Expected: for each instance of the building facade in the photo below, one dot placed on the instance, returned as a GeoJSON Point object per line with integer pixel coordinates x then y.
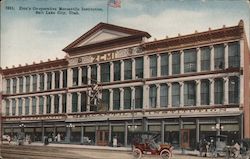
{"type": "Point", "coordinates": [113, 82]}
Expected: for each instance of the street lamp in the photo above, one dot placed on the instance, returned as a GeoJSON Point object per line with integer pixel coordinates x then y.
{"type": "Point", "coordinates": [69, 126]}
{"type": "Point", "coordinates": [22, 127]}
{"type": "Point", "coordinates": [217, 127]}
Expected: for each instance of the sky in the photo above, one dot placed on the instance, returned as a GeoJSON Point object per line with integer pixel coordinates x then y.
{"type": "Point", "coordinates": [30, 32]}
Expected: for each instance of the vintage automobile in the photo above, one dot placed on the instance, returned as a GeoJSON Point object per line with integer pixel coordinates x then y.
{"type": "Point", "coordinates": [144, 144]}
{"type": "Point", "coordinates": [240, 150]}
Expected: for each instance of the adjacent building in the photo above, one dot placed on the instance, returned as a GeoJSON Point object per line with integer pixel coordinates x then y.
{"type": "Point", "coordinates": [113, 82]}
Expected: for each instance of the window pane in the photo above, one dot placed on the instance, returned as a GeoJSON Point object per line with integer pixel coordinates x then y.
{"type": "Point", "coordinates": [7, 109]}
{"type": "Point", "coordinates": [27, 83]}
{"type": "Point", "coordinates": [41, 88]}
{"type": "Point", "coordinates": [65, 78]}
{"type": "Point", "coordinates": [175, 94]}
{"type": "Point", "coordinates": [152, 96]}
{"type": "Point", "coordinates": [153, 65]}
{"type": "Point", "coordinates": [13, 107]}
{"type": "Point", "coordinates": [41, 105]}
{"type": "Point", "coordinates": [57, 79]}
{"type": "Point", "coordinates": [234, 54]}
{"type": "Point", "coordinates": [56, 103]}
{"type": "Point", "coordinates": [138, 97]}
{"type": "Point", "coordinates": [139, 67]}
{"type": "Point", "coordinates": [117, 70]}
{"type": "Point", "coordinates": [205, 59]}
{"type": "Point", "coordinates": [189, 93]}
{"type": "Point", "coordinates": [164, 64]}
{"type": "Point", "coordinates": [127, 69]}
{"type": "Point", "coordinates": [164, 95]}
{"type": "Point", "coordinates": [127, 98]}
{"type": "Point", "coordinates": [116, 99]}
{"type": "Point", "coordinates": [14, 80]}
{"type": "Point", "coordinates": [176, 60]}
{"type": "Point", "coordinates": [48, 104]}
{"type": "Point", "coordinates": [234, 90]}
{"type": "Point", "coordinates": [49, 80]}
{"type": "Point", "coordinates": [20, 84]}
{"type": "Point", "coordinates": [205, 93]}
{"type": "Point", "coordinates": [33, 105]}
{"type": "Point", "coordinates": [75, 76]}
{"type": "Point", "coordinates": [74, 102]}
{"type": "Point", "coordinates": [83, 101]}
{"type": "Point", "coordinates": [105, 100]}
{"type": "Point", "coordinates": [93, 74]}
{"type": "Point", "coordinates": [20, 106]}
{"type": "Point", "coordinates": [64, 103]}
{"type": "Point", "coordinates": [190, 60]}
{"type": "Point", "coordinates": [8, 86]}
{"type": "Point", "coordinates": [218, 56]}
{"type": "Point", "coordinates": [218, 91]}
{"type": "Point", "coordinates": [85, 75]}
{"type": "Point", "coordinates": [105, 72]}
{"type": "Point", "coordinates": [27, 103]}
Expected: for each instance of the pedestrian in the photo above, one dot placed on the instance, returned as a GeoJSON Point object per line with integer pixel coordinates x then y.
{"type": "Point", "coordinates": [115, 141]}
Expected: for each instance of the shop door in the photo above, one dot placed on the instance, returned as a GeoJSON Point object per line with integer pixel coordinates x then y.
{"type": "Point", "coordinates": [102, 138]}
{"type": "Point", "coordinates": [185, 138]}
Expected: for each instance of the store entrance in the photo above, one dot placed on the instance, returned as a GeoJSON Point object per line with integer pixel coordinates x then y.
{"type": "Point", "coordinates": [185, 138]}
{"type": "Point", "coordinates": [102, 137]}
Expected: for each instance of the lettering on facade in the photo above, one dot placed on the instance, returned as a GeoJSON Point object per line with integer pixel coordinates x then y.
{"type": "Point", "coordinates": [106, 56]}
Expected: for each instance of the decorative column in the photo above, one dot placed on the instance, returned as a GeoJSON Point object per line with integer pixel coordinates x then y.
{"type": "Point", "coordinates": [45, 105]}
{"type": "Point", "coordinates": [31, 83]}
{"type": "Point", "coordinates": [98, 73]}
{"type": "Point", "coordinates": [78, 102]}
{"type": "Point", "coordinates": [38, 82]}
{"type": "Point", "coordinates": [30, 106]}
{"type": "Point", "coordinates": [197, 130]}
{"type": "Point", "coordinates": [133, 69]}
{"type": "Point", "coordinates": [37, 105]}
{"type": "Point", "coordinates": [211, 91]}
{"type": "Point", "coordinates": [111, 72]}
{"type": "Point", "coordinates": [212, 58]}
{"type": "Point", "coordinates": [122, 70]}
{"type": "Point", "coordinates": [17, 85]}
{"type": "Point", "coordinates": [145, 96]}
{"type": "Point", "coordinates": [146, 66]}
{"type": "Point", "coordinates": [110, 99]}
{"type": "Point", "coordinates": [198, 92]}
{"type": "Point", "coordinates": [88, 101]}
{"type": "Point", "coordinates": [24, 84]}
{"type": "Point", "coordinates": [60, 103]}
{"type": "Point", "coordinates": [158, 92]}
{"type": "Point", "coordinates": [60, 79]}
{"type": "Point", "coordinates": [181, 94]}
{"type": "Point", "coordinates": [169, 95]}
{"type": "Point", "coordinates": [89, 74]}
{"type": "Point", "coordinates": [226, 90]}
{"type": "Point", "coordinates": [158, 65]}
{"type": "Point", "coordinates": [69, 103]}
{"type": "Point", "coordinates": [170, 64]}
{"type": "Point", "coordinates": [182, 61]}
{"type": "Point", "coordinates": [82, 134]}
{"type": "Point", "coordinates": [198, 68]}
{"type": "Point", "coordinates": [45, 81]}
{"type": "Point", "coordinates": [11, 86]}
{"type": "Point", "coordinates": [53, 80]}
{"type": "Point", "coordinates": [79, 76]}
{"type": "Point", "coordinates": [126, 134]}
{"type": "Point", "coordinates": [226, 55]}
{"type": "Point", "coordinates": [122, 98]}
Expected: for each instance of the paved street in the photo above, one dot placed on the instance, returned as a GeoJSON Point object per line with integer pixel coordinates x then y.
{"type": "Point", "coordinates": [48, 152]}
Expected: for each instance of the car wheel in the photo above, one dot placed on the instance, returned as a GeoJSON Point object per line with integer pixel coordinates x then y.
{"type": "Point", "coordinates": [165, 154]}
{"type": "Point", "coordinates": [137, 153]}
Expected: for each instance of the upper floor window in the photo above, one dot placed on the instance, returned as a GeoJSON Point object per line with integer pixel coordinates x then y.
{"type": "Point", "coordinates": [83, 101]}
{"type": "Point", "coordinates": [205, 58]}
{"type": "Point", "coordinates": [74, 102]}
{"type": "Point", "coordinates": [64, 103]}
{"type": "Point", "coordinates": [176, 94]}
{"type": "Point", "coordinates": [116, 99]}
{"type": "Point", "coordinates": [33, 105]}
{"type": "Point", "coordinates": [234, 54]}
{"type": "Point", "coordinates": [218, 91]}
{"type": "Point", "coordinates": [234, 90]}
{"type": "Point", "coordinates": [8, 86]}
{"type": "Point", "coordinates": [41, 105]}
{"type": "Point", "coordinates": [41, 86]}
{"type": "Point", "coordinates": [105, 72]}
{"type": "Point", "coordinates": [27, 105]}
{"type": "Point", "coordinates": [27, 83]}
{"type": "Point", "coordinates": [20, 106]}
{"type": "Point", "coordinates": [139, 67]}
{"type": "Point", "coordinates": [94, 74]}
{"type": "Point", "coordinates": [13, 107]}
{"type": "Point", "coordinates": [205, 93]}
{"type": "Point", "coordinates": [164, 95]}
{"type": "Point", "coordinates": [14, 80]}
{"type": "Point", "coordinates": [127, 69]}
{"type": "Point", "coordinates": [49, 80]}
{"type": "Point", "coordinates": [65, 75]}
{"type": "Point", "coordinates": [117, 71]}
{"type": "Point", "coordinates": [20, 84]}
{"type": "Point", "coordinates": [164, 64]}
{"type": "Point", "coordinates": [48, 104]}
{"type": "Point", "coordinates": [219, 51]}
{"type": "Point", "coordinates": [176, 62]}
{"type": "Point", "coordinates": [105, 100]}
{"type": "Point", "coordinates": [34, 84]}
{"type": "Point", "coordinates": [84, 75]}
{"type": "Point", "coordinates": [7, 108]}
{"type": "Point", "coordinates": [153, 65]}
{"type": "Point", "coordinates": [189, 93]}
{"type": "Point", "coordinates": [56, 103]}
{"type": "Point", "coordinates": [190, 60]}
{"type": "Point", "coordinates": [57, 79]}
{"type": "Point", "coordinates": [127, 98]}
{"type": "Point", "coordinates": [138, 97]}
{"type": "Point", "coordinates": [152, 96]}
{"type": "Point", "coordinates": [75, 76]}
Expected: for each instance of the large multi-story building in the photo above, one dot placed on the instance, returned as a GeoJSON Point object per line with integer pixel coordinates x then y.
{"type": "Point", "coordinates": [113, 81]}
